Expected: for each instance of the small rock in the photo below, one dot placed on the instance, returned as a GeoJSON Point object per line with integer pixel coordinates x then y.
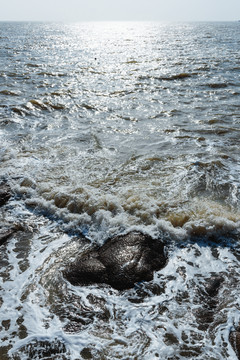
{"type": "Point", "coordinates": [121, 262]}
{"type": "Point", "coordinates": [5, 194]}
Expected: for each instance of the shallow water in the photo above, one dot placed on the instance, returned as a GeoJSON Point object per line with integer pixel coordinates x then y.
{"type": "Point", "coordinates": [107, 128]}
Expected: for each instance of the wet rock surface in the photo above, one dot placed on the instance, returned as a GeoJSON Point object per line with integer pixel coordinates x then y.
{"type": "Point", "coordinates": [209, 301]}
{"type": "Point", "coordinates": [5, 193]}
{"type": "Point", "coordinates": [43, 349]}
{"type": "Point", "coordinates": [7, 230]}
{"type": "Point", "coordinates": [234, 339]}
{"type": "Point", "coordinates": [5, 234]}
{"type": "Point", "coordinates": [121, 262]}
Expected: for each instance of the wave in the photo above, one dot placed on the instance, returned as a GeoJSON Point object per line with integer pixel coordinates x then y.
{"type": "Point", "coordinates": [52, 74]}
{"type": "Point", "coordinates": [34, 104]}
{"type": "Point", "coordinates": [10, 93]}
{"type": "Point", "coordinates": [180, 76]}
{"type": "Point", "coordinates": [199, 204]}
{"type": "Point", "coordinates": [217, 85]}
{"type": "Point", "coordinates": [88, 107]}
{"type": "Point", "coordinates": [33, 65]}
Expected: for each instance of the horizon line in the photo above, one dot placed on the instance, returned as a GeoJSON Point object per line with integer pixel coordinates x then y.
{"type": "Point", "coordinates": [84, 21]}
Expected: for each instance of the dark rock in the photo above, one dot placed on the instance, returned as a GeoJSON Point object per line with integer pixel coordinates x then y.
{"type": "Point", "coordinates": [6, 232]}
{"type": "Point", "coordinates": [86, 353]}
{"type": "Point", "coordinates": [209, 302]}
{"type": "Point", "coordinates": [79, 316]}
{"type": "Point", "coordinates": [5, 194]}
{"type": "Point", "coordinates": [121, 262]}
{"type": "Point", "coordinates": [43, 349]}
{"type": "Point", "coordinates": [234, 339]}
{"type": "Point", "coordinates": [213, 285]}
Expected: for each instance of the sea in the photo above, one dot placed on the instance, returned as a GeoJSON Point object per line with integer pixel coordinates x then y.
{"type": "Point", "coordinates": [107, 128]}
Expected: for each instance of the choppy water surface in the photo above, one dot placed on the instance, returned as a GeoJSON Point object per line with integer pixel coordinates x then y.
{"type": "Point", "coordinates": [104, 128]}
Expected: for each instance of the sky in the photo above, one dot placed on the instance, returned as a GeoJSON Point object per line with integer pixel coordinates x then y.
{"type": "Point", "coordinates": [120, 10]}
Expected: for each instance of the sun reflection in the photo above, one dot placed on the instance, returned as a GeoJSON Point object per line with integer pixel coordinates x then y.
{"type": "Point", "coordinates": [110, 35]}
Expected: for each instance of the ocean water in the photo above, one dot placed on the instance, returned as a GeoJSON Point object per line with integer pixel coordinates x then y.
{"type": "Point", "coordinates": [107, 128]}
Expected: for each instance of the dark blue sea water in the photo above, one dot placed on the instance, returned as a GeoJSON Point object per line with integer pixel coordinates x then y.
{"type": "Point", "coordinates": [107, 128]}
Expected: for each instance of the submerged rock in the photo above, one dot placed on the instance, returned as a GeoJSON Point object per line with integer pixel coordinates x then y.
{"type": "Point", "coordinates": [209, 301]}
{"type": "Point", "coordinates": [121, 262]}
{"type": "Point", "coordinates": [5, 234]}
{"type": "Point", "coordinates": [7, 231]}
{"type": "Point", "coordinates": [5, 194]}
{"type": "Point", "coordinates": [43, 349]}
{"type": "Point", "coordinates": [213, 285]}
{"type": "Point", "coordinates": [234, 339]}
